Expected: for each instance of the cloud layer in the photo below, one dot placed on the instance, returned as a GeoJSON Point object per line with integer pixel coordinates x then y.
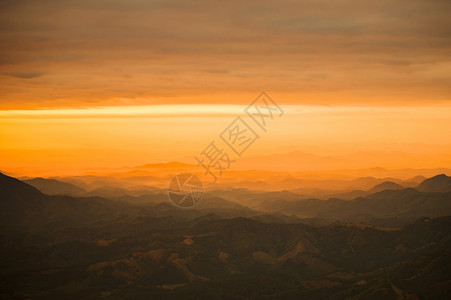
{"type": "Point", "coordinates": [83, 54]}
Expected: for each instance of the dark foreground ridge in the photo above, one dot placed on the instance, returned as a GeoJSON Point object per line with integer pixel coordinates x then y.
{"type": "Point", "coordinates": [70, 248]}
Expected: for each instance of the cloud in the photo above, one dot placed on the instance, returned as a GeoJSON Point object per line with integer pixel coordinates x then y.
{"type": "Point", "coordinates": [216, 71]}
{"type": "Point", "coordinates": [26, 75]}
{"type": "Point", "coordinates": [367, 51]}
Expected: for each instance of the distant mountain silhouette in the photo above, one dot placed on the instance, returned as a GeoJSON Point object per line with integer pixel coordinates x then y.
{"type": "Point", "coordinates": [418, 179]}
{"type": "Point", "coordinates": [387, 185]}
{"type": "Point", "coordinates": [350, 189]}
{"type": "Point", "coordinates": [23, 207]}
{"type": "Point", "coordinates": [55, 187]}
{"type": "Point", "coordinates": [440, 183]}
{"type": "Point", "coordinates": [389, 206]}
{"type": "Point", "coordinates": [61, 247]}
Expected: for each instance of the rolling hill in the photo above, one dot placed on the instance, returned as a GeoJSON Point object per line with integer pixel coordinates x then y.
{"type": "Point", "coordinates": [55, 187]}
{"type": "Point", "coordinates": [71, 248]}
{"type": "Point", "coordinates": [437, 184]}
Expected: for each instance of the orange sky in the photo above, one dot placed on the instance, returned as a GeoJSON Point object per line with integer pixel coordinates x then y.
{"type": "Point", "coordinates": [88, 139]}
{"type": "Point", "coordinates": [117, 52]}
{"type": "Point", "coordinates": [114, 83]}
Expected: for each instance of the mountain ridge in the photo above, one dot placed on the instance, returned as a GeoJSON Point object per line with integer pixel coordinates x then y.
{"type": "Point", "coordinates": [439, 183]}
{"type": "Point", "coordinates": [55, 187]}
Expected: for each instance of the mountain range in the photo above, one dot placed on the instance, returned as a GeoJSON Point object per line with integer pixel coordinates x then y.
{"type": "Point", "coordinates": [92, 247]}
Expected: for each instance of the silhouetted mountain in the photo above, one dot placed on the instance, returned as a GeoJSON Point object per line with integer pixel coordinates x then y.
{"type": "Point", "coordinates": [24, 207]}
{"type": "Point", "coordinates": [349, 195]}
{"type": "Point", "coordinates": [55, 187]}
{"type": "Point", "coordinates": [17, 197]}
{"type": "Point", "coordinates": [212, 258]}
{"type": "Point", "coordinates": [113, 192]}
{"type": "Point", "coordinates": [440, 183]}
{"type": "Point", "coordinates": [413, 182]}
{"type": "Point", "coordinates": [395, 207]}
{"type": "Point", "coordinates": [12, 187]}
{"type": "Point", "coordinates": [63, 247]}
{"type": "Point", "coordinates": [387, 185]}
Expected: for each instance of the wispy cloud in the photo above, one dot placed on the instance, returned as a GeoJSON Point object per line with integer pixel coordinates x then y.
{"type": "Point", "coordinates": [26, 75]}
{"type": "Point", "coordinates": [368, 52]}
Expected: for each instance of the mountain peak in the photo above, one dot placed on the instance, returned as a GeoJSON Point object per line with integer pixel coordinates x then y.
{"type": "Point", "coordinates": [386, 185]}
{"type": "Point", "coordinates": [54, 187]}
{"type": "Point", "coordinates": [10, 185]}
{"type": "Point", "coordinates": [440, 183]}
{"type": "Point", "coordinates": [16, 196]}
{"type": "Point", "coordinates": [440, 176]}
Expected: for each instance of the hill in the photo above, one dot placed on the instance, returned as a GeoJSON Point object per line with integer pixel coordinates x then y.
{"type": "Point", "coordinates": [387, 185]}
{"type": "Point", "coordinates": [440, 184]}
{"type": "Point", "coordinates": [390, 207]}
{"type": "Point", "coordinates": [55, 187]}
{"type": "Point", "coordinates": [71, 248]}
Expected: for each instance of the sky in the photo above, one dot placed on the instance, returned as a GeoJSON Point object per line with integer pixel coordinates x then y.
{"type": "Point", "coordinates": [86, 84]}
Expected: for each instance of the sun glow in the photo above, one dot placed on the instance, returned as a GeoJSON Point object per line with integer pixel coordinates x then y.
{"type": "Point", "coordinates": [85, 139]}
